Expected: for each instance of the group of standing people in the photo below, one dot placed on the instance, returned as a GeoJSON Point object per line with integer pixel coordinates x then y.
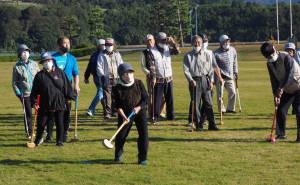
{"type": "Point", "coordinates": [118, 90]}
{"type": "Point", "coordinates": [53, 84]}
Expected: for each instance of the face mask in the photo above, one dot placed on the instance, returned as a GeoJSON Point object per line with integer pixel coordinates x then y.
{"type": "Point", "coordinates": [25, 55]}
{"type": "Point", "coordinates": [273, 58]}
{"type": "Point", "coordinates": [109, 48]}
{"type": "Point", "coordinates": [205, 45]}
{"type": "Point", "coordinates": [64, 49]}
{"type": "Point", "coordinates": [48, 65]}
{"type": "Point", "coordinates": [226, 46]}
{"type": "Point", "coordinates": [163, 46]}
{"type": "Point", "coordinates": [196, 49]}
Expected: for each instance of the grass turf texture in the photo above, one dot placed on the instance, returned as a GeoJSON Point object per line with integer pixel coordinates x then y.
{"type": "Point", "coordinates": [238, 154]}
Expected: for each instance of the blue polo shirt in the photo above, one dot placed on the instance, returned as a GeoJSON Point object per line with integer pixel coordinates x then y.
{"type": "Point", "coordinates": [66, 63]}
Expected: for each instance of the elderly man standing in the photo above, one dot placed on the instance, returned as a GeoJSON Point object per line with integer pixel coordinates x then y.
{"type": "Point", "coordinates": [107, 71]}
{"type": "Point", "coordinates": [91, 69]}
{"type": "Point", "coordinates": [148, 67]}
{"type": "Point", "coordinates": [199, 71]}
{"type": "Point", "coordinates": [165, 47]}
{"type": "Point", "coordinates": [226, 57]}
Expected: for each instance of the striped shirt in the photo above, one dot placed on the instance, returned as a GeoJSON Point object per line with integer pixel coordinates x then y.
{"type": "Point", "coordinates": [227, 61]}
{"type": "Point", "coordinates": [162, 63]}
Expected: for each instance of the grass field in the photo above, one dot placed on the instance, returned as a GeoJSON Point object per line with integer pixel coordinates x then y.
{"type": "Point", "coordinates": [238, 154]}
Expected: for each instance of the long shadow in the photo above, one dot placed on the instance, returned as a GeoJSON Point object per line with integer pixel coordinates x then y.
{"type": "Point", "coordinates": [11, 162]}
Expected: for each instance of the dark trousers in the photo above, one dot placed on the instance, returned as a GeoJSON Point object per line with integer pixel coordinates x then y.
{"type": "Point", "coordinates": [141, 125]}
{"type": "Point", "coordinates": [67, 119]}
{"type": "Point", "coordinates": [198, 94]}
{"type": "Point", "coordinates": [203, 117]}
{"type": "Point", "coordinates": [43, 117]}
{"type": "Point", "coordinates": [166, 90]}
{"type": "Point", "coordinates": [28, 115]}
{"type": "Point", "coordinates": [108, 98]}
{"type": "Point", "coordinates": [285, 102]}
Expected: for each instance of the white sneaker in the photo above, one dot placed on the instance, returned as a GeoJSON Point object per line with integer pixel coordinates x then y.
{"type": "Point", "coordinates": [89, 113]}
{"type": "Point", "coordinates": [41, 141]}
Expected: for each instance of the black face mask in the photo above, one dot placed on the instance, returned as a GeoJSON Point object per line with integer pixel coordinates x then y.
{"type": "Point", "coordinates": [64, 49]}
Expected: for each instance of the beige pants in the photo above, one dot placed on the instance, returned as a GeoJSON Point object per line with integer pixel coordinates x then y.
{"type": "Point", "coordinates": [230, 87]}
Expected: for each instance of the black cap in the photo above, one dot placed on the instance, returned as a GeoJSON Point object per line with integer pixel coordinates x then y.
{"type": "Point", "coordinates": [123, 68]}
{"type": "Point", "coordinates": [204, 37]}
{"type": "Point", "coordinates": [267, 49]}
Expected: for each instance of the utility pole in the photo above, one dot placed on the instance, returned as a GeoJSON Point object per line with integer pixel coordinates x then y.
{"type": "Point", "coordinates": [179, 21]}
{"type": "Point", "coordinates": [277, 21]}
{"type": "Point", "coordinates": [291, 19]}
{"type": "Point", "coordinates": [196, 22]}
{"type": "Point", "coordinates": [191, 24]}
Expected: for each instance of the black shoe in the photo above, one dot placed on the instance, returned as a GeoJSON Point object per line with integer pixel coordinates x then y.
{"type": "Point", "coordinates": [59, 144]}
{"type": "Point", "coordinates": [199, 129]}
{"type": "Point", "coordinates": [118, 160]}
{"type": "Point", "coordinates": [230, 111]}
{"type": "Point", "coordinates": [48, 140]}
{"type": "Point", "coordinates": [213, 127]}
{"type": "Point", "coordinates": [298, 140]}
{"type": "Point", "coordinates": [107, 117]}
{"type": "Point", "coordinates": [281, 137]}
{"type": "Point", "coordinates": [65, 138]}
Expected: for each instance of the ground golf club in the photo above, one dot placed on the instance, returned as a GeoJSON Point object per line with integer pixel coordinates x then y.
{"type": "Point", "coordinates": [108, 142]}
{"type": "Point", "coordinates": [31, 144]}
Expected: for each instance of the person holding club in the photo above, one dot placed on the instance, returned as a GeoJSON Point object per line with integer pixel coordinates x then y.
{"type": "Point", "coordinates": [226, 57]}
{"type": "Point", "coordinates": [284, 75]}
{"type": "Point", "coordinates": [54, 89]}
{"type": "Point", "coordinates": [148, 67]}
{"type": "Point", "coordinates": [23, 74]}
{"type": "Point", "coordinates": [131, 96]}
{"type": "Point", "coordinates": [198, 70]}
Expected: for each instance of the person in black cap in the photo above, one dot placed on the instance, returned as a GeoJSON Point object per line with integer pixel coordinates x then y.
{"type": "Point", "coordinates": [131, 96]}
{"type": "Point", "coordinates": [22, 78]}
{"type": "Point", "coordinates": [54, 89]}
{"type": "Point", "coordinates": [285, 80]}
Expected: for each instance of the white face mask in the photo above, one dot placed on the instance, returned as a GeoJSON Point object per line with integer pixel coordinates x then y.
{"type": "Point", "coordinates": [163, 46]}
{"type": "Point", "coordinates": [109, 48]}
{"type": "Point", "coordinates": [205, 45]}
{"type": "Point", "coordinates": [196, 49]}
{"type": "Point", "coordinates": [273, 58]}
{"type": "Point", "coordinates": [25, 55]}
{"type": "Point", "coordinates": [226, 46]}
{"type": "Point", "coordinates": [48, 65]}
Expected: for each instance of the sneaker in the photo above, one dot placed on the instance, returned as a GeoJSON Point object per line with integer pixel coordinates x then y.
{"type": "Point", "coordinates": [40, 141]}
{"type": "Point", "coordinates": [89, 113]}
{"type": "Point", "coordinates": [107, 117]}
{"type": "Point", "coordinates": [281, 137]}
{"type": "Point", "coordinates": [118, 160]}
{"type": "Point", "coordinates": [213, 127]}
{"type": "Point", "coordinates": [59, 144]}
{"type": "Point", "coordinates": [142, 162]}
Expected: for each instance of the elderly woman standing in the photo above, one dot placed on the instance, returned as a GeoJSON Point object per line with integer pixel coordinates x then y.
{"type": "Point", "coordinates": [22, 78]}
{"type": "Point", "coordinates": [54, 89]}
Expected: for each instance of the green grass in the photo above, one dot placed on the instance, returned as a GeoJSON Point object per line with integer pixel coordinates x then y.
{"type": "Point", "coordinates": [238, 154]}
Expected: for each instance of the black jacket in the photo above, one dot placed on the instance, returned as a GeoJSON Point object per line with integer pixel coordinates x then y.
{"type": "Point", "coordinates": [129, 97]}
{"type": "Point", "coordinates": [54, 89]}
{"type": "Point", "coordinates": [92, 66]}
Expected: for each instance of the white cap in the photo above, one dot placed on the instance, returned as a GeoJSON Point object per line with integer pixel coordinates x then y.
{"type": "Point", "coordinates": [223, 38]}
{"type": "Point", "coordinates": [100, 42]}
{"type": "Point", "coordinates": [290, 45]}
{"type": "Point", "coordinates": [149, 37]}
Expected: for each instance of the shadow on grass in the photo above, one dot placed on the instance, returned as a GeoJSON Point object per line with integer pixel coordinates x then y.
{"type": "Point", "coordinates": [11, 162]}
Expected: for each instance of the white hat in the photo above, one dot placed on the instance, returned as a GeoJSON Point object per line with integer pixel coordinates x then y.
{"type": "Point", "coordinates": [149, 37]}
{"type": "Point", "coordinates": [223, 38]}
{"type": "Point", "coordinates": [100, 42]}
{"type": "Point", "coordinates": [161, 36]}
{"type": "Point", "coordinates": [290, 45]}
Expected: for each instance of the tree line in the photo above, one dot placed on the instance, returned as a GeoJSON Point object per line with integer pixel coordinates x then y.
{"type": "Point", "coordinates": [128, 21]}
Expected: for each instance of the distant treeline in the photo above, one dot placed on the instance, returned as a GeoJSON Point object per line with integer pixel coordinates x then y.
{"type": "Point", "coordinates": [128, 21]}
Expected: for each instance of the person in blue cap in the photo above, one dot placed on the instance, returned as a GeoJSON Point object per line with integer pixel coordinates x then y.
{"type": "Point", "coordinates": [131, 96]}
{"type": "Point", "coordinates": [24, 72]}
{"type": "Point", "coordinates": [54, 89]}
